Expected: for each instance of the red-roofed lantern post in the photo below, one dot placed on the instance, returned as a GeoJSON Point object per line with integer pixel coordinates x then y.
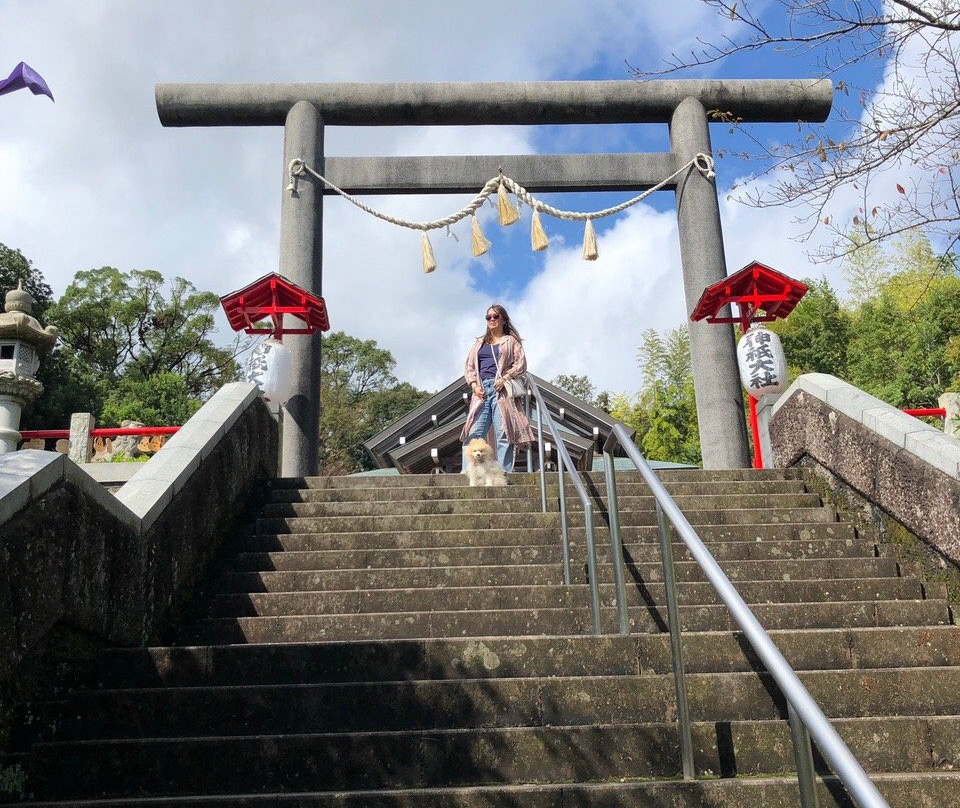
{"type": "Point", "coordinates": [271, 298]}
{"type": "Point", "coordinates": [762, 295]}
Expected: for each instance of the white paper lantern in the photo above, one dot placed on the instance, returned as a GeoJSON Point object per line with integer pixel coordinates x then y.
{"type": "Point", "coordinates": [270, 367]}
{"type": "Point", "coordinates": [763, 367]}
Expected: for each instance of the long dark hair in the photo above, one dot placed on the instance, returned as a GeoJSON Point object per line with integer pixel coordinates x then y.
{"type": "Point", "coordinates": [507, 325]}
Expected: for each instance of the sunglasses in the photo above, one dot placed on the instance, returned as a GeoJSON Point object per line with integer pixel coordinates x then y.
{"type": "Point", "coordinates": [493, 316]}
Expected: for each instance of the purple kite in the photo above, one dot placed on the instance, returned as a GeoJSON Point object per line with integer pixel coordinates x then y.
{"type": "Point", "coordinates": [25, 77]}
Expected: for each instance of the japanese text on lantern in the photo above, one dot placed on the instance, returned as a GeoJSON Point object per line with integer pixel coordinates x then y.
{"type": "Point", "coordinates": [762, 364]}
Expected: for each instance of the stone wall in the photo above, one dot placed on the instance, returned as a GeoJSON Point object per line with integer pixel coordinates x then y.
{"type": "Point", "coordinates": [889, 460]}
{"type": "Point", "coordinates": [119, 569]}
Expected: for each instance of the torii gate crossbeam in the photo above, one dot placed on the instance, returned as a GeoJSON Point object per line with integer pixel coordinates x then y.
{"type": "Point", "coordinates": [686, 105]}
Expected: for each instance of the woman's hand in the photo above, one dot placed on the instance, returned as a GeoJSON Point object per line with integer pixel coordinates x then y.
{"type": "Point", "coordinates": [478, 390]}
{"type": "Point", "coordinates": [498, 384]}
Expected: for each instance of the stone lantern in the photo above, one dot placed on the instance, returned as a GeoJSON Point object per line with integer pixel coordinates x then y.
{"type": "Point", "coordinates": [22, 342]}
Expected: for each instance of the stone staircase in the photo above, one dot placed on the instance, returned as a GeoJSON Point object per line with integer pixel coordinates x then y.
{"type": "Point", "coordinates": [407, 642]}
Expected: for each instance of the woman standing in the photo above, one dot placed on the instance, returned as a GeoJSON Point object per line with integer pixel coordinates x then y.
{"type": "Point", "coordinates": [494, 358]}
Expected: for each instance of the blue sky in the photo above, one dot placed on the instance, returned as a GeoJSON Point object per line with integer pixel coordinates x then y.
{"type": "Point", "coordinates": [94, 179]}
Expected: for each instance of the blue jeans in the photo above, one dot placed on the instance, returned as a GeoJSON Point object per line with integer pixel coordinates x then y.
{"type": "Point", "coordinates": [490, 412]}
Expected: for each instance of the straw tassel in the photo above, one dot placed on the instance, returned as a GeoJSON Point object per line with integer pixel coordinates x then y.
{"type": "Point", "coordinates": [538, 237]}
{"type": "Point", "coordinates": [479, 241]}
{"type": "Point", "coordinates": [590, 242]}
{"type": "Point", "coordinates": [508, 213]}
{"type": "Point", "coordinates": [429, 262]}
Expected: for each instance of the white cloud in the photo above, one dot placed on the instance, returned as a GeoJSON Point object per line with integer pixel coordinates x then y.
{"type": "Point", "coordinates": [94, 179]}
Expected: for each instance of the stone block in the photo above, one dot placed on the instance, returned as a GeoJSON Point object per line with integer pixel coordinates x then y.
{"type": "Point", "coordinates": [81, 443]}
{"type": "Point", "coordinates": [198, 434]}
{"type": "Point", "coordinates": [938, 450]}
{"type": "Point", "coordinates": [851, 401]}
{"type": "Point", "coordinates": [892, 424]}
{"type": "Point", "coordinates": [24, 475]}
{"type": "Point", "coordinates": [145, 498]}
{"type": "Point", "coordinates": [172, 466]}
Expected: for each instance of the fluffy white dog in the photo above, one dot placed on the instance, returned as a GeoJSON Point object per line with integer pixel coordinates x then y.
{"type": "Point", "coordinates": [482, 466]}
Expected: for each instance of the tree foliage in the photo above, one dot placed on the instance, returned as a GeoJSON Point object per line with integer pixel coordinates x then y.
{"type": "Point", "coordinates": [898, 152]}
{"type": "Point", "coordinates": [128, 325]}
{"type": "Point", "coordinates": [816, 335]}
{"type": "Point", "coordinates": [162, 399]}
{"type": "Point", "coordinates": [899, 340]}
{"type": "Point", "coordinates": [359, 396]}
{"type": "Point", "coordinates": [905, 336]}
{"type": "Point", "coordinates": [131, 346]}
{"type": "Point", "coordinates": [664, 412]}
{"type": "Point", "coordinates": [68, 384]}
{"type": "Point", "coordinates": [16, 268]}
{"type": "Point", "coordinates": [576, 385]}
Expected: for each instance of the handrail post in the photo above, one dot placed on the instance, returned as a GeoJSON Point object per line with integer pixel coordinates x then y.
{"type": "Point", "coordinates": [592, 567]}
{"type": "Point", "coordinates": [565, 461]}
{"type": "Point", "coordinates": [803, 756]}
{"type": "Point", "coordinates": [543, 475]}
{"type": "Point", "coordinates": [564, 528]}
{"type": "Point", "coordinates": [676, 647]}
{"type": "Point", "coordinates": [613, 518]}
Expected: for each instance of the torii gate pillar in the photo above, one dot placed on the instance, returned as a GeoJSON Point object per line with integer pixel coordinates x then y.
{"type": "Point", "coordinates": [301, 260]}
{"type": "Point", "coordinates": [713, 352]}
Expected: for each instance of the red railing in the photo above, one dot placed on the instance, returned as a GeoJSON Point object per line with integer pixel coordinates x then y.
{"type": "Point", "coordinates": [929, 411]}
{"type": "Point", "coordinates": [105, 432]}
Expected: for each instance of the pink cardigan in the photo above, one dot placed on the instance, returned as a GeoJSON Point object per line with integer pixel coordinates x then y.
{"type": "Point", "coordinates": [512, 363]}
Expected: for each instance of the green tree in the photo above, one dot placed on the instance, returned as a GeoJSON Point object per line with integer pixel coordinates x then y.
{"type": "Point", "coordinates": [160, 400]}
{"type": "Point", "coordinates": [69, 386]}
{"type": "Point", "coordinates": [668, 397]}
{"type": "Point", "coordinates": [904, 344]}
{"type": "Point", "coordinates": [15, 267]}
{"type": "Point", "coordinates": [865, 271]}
{"type": "Point", "coordinates": [128, 325]}
{"type": "Point", "coordinates": [664, 411]}
{"type": "Point", "coordinates": [355, 366]}
{"type": "Point", "coordinates": [816, 334]}
{"type": "Point", "coordinates": [630, 410]}
{"type": "Point", "coordinates": [359, 396]}
{"type": "Point", "coordinates": [576, 385]}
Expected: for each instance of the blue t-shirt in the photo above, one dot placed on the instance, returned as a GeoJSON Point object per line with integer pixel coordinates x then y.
{"type": "Point", "coordinates": [487, 361]}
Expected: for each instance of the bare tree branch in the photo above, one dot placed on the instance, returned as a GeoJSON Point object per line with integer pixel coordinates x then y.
{"type": "Point", "coordinates": [901, 149]}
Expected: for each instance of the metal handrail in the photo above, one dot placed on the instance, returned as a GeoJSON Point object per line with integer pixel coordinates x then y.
{"type": "Point", "coordinates": [806, 718]}
{"type": "Point", "coordinates": [564, 460]}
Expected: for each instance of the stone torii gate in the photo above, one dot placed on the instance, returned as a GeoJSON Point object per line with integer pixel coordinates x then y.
{"type": "Point", "coordinates": [305, 109]}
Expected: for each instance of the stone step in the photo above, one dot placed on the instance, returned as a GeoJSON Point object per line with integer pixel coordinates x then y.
{"type": "Point", "coordinates": [307, 566]}
{"type": "Point", "coordinates": [808, 649]}
{"type": "Point", "coordinates": [444, 758]}
{"type": "Point", "coordinates": [517, 536]}
{"type": "Point", "coordinates": [531, 492]}
{"type": "Point", "coordinates": [485, 685]}
{"type": "Point", "coordinates": [362, 601]}
{"type": "Point", "coordinates": [532, 480]}
{"type": "Point", "coordinates": [546, 621]}
{"type": "Point", "coordinates": [918, 789]}
{"type": "Point", "coordinates": [548, 551]}
{"type": "Point", "coordinates": [487, 703]}
{"type": "Point", "coordinates": [700, 475]}
{"type": "Point", "coordinates": [605, 655]}
{"type": "Point", "coordinates": [466, 521]}
{"type": "Point", "coordinates": [495, 505]}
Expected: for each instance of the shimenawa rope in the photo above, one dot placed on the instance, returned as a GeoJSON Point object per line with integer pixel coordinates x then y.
{"type": "Point", "coordinates": [508, 213]}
